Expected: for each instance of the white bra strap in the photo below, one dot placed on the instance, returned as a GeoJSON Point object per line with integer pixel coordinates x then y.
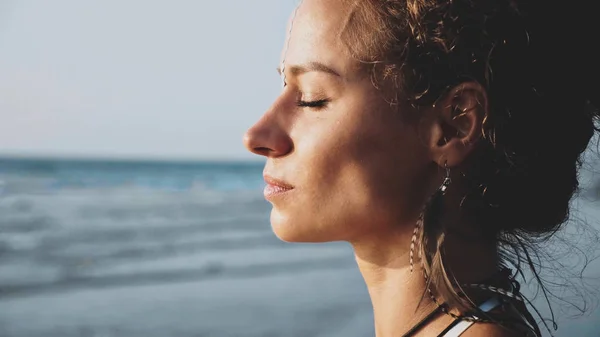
{"type": "Point", "coordinates": [463, 325]}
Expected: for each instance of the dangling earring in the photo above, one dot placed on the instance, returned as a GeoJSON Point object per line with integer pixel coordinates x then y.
{"type": "Point", "coordinates": [447, 181]}
{"type": "Point", "coordinates": [429, 214]}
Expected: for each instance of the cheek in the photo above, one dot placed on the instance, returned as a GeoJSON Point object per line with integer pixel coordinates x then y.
{"type": "Point", "coordinates": [383, 149]}
{"type": "Point", "coordinates": [385, 165]}
{"type": "Point", "coordinates": [359, 169]}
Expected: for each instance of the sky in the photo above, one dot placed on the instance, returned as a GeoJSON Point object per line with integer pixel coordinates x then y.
{"type": "Point", "coordinates": [178, 79]}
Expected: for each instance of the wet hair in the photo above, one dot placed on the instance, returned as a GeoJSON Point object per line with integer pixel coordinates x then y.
{"type": "Point", "coordinates": [539, 65]}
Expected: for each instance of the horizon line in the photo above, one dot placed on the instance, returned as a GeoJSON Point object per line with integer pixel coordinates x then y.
{"type": "Point", "coordinates": [123, 158]}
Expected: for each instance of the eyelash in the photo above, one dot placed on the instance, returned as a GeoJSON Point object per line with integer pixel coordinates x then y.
{"type": "Point", "coordinates": [319, 104]}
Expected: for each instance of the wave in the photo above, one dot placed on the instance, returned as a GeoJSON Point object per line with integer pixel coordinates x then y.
{"type": "Point", "coordinates": [207, 272]}
{"type": "Point", "coordinates": [20, 176]}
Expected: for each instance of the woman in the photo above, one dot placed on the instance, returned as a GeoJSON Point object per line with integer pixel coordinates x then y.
{"type": "Point", "coordinates": [442, 139]}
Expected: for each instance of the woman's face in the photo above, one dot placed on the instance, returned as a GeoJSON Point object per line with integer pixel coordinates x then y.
{"type": "Point", "coordinates": [356, 167]}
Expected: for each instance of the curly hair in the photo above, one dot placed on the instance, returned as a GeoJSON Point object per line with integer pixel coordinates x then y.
{"type": "Point", "coordinates": [537, 63]}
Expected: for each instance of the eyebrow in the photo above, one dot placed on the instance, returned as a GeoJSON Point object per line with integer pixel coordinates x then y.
{"type": "Point", "coordinates": [309, 67]}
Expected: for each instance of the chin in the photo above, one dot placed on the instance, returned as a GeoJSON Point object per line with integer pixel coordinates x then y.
{"type": "Point", "coordinates": [288, 230]}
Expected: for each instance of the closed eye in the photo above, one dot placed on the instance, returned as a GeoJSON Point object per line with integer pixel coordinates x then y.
{"type": "Point", "coordinates": [313, 104]}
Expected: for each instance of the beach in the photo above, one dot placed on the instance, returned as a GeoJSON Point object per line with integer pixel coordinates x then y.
{"type": "Point", "coordinates": [174, 249]}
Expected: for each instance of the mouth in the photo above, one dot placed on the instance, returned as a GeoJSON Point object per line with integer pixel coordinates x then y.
{"type": "Point", "coordinates": [275, 187]}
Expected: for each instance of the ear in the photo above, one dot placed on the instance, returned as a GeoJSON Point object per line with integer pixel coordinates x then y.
{"type": "Point", "coordinates": [456, 125]}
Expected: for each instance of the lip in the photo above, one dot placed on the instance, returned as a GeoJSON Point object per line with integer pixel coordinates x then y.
{"type": "Point", "coordinates": [275, 187]}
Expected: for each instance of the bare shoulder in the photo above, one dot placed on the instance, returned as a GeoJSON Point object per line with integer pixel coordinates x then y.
{"type": "Point", "coordinates": [491, 330]}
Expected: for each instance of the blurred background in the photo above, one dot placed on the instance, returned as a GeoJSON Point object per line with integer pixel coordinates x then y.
{"type": "Point", "coordinates": [128, 206]}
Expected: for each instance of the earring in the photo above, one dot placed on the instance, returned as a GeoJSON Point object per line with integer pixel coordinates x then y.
{"type": "Point", "coordinates": [429, 214]}
{"type": "Point", "coordinates": [447, 181]}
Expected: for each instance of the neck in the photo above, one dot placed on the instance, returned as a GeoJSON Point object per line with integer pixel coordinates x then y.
{"type": "Point", "coordinates": [396, 292]}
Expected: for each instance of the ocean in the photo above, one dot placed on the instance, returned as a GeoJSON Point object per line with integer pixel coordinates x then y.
{"type": "Point", "coordinates": [98, 248]}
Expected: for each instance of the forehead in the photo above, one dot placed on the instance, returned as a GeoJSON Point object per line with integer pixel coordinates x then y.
{"type": "Point", "coordinates": [314, 34]}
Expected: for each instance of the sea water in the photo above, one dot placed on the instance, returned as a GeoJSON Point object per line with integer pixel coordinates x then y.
{"type": "Point", "coordinates": [169, 249]}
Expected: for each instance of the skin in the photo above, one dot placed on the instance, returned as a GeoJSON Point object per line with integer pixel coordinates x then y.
{"type": "Point", "coordinates": [361, 172]}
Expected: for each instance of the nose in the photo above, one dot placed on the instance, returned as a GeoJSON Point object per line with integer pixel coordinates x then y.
{"type": "Point", "coordinates": [269, 137]}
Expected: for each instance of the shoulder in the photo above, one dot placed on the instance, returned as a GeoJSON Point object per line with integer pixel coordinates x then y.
{"type": "Point", "coordinates": [491, 330]}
